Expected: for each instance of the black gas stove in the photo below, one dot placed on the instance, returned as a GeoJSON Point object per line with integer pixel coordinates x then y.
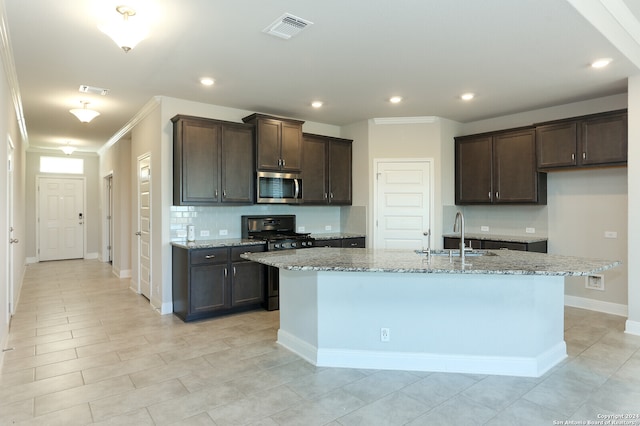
{"type": "Point", "coordinates": [279, 232]}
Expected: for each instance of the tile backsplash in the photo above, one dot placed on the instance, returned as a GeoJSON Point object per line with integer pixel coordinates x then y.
{"type": "Point", "coordinates": [501, 220]}
{"type": "Point", "coordinates": [224, 222]}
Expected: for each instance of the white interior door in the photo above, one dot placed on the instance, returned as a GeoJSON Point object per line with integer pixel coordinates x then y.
{"type": "Point", "coordinates": [403, 203]}
{"type": "Point", "coordinates": [61, 218]}
{"type": "Point", "coordinates": [144, 225]}
{"type": "Point", "coordinates": [12, 241]}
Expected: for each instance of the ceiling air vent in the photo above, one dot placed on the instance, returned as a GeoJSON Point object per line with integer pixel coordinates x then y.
{"type": "Point", "coordinates": [93, 90]}
{"type": "Point", "coordinates": [287, 26]}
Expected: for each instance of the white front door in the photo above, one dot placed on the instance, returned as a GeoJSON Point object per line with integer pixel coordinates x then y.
{"type": "Point", "coordinates": [403, 203]}
{"type": "Point", "coordinates": [61, 218]}
{"type": "Point", "coordinates": [144, 225]}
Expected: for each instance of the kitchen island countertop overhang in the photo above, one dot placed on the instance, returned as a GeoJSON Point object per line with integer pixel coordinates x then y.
{"type": "Point", "coordinates": [501, 313]}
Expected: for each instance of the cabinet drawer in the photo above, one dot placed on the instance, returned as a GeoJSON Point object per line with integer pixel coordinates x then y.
{"type": "Point", "coordinates": [493, 245]}
{"type": "Point", "coordinates": [237, 251]}
{"type": "Point", "coordinates": [353, 242]}
{"type": "Point", "coordinates": [209, 256]}
{"type": "Point", "coordinates": [328, 243]}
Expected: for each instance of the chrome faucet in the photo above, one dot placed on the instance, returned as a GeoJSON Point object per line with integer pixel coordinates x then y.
{"type": "Point", "coordinates": [460, 216]}
{"type": "Point", "coordinates": [427, 234]}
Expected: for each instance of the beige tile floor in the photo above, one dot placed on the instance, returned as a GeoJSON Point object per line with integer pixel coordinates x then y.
{"type": "Point", "coordinates": [87, 350]}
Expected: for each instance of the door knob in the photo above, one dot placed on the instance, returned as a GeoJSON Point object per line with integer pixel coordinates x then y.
{"type": "Point", "coordinates": [13, 241]}
{"type": "Point", "coordinates": [138, 233]}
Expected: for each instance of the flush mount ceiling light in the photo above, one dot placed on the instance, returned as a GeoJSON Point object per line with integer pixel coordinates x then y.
{"type": "Point", "coordinates": [206, 81]}
{"type": "Point", "coordinates": [83, 114]}
{"type": "Point", "coordinates": [467, 96]}
{"type": "Point", "coordinates": [125, 32]}
{"type": "Point", "coordinates": [316, 104]}
{"type": "Point", "coordinates": [601, 63]}
{"type": "Point", "coordinates": [395, 99]}
{"type": "Point", "coordinates": [67, 149]}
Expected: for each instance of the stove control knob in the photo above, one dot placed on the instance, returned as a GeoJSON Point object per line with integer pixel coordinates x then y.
{"type": "Point", "coordinates": [293, 245]}
{"type": "Point", "coordinates": [276, 245]}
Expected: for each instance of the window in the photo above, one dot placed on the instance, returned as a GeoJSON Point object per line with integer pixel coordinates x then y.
{"type": "Point", "coordinates": [64, 165]}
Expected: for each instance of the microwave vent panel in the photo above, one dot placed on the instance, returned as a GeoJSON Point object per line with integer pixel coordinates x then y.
{"type": "Point", "coordinates": [287, 26]}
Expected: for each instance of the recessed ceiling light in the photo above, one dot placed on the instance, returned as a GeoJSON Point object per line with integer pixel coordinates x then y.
{"type": "Point", "coordinates": [467, 96]}
{"type": "Point", "coordinates": [601, 63]}
{"type": "Point", "coordinates": [206, 81]}
{"type": "Point", "coordinates": [316, 104]}
{"type": "Point", "coordinates": [395, 99]}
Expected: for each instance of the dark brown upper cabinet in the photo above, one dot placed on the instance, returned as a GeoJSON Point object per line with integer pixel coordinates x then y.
{"type": "Point", "coordinates": [590, 141]}
{"type": "Point", "coordinates": [213, 162]}
{"type": "Point", "coordinates": [498, 168]}
{"type": "Point", "coordinates": [327, 172]}
{"type": "Point", "coordinates": [278, 142]}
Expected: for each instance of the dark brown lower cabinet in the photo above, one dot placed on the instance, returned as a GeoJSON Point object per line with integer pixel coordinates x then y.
{"type": "Point", "coordinates": [454, 243]}
{"type": "Point", "coordinates": [215, 281]}
{"type": "Point", "coordinates": [355, 242]}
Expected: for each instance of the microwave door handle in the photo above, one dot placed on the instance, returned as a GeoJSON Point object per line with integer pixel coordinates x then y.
{"type": "Point", "coordinates": [297, 185]}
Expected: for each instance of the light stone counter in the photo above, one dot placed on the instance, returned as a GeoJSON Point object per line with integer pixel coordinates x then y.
{"type": "Point", "coordinates": [394, 309]}
{"type": "Point", "coordinates": [226, 242]}
{"type": "Point", "coordinates": [501, 262]}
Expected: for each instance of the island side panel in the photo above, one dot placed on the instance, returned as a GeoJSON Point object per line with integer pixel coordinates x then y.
{"type": "Point", "coordinates": [493, 324]}
{"type": "Point", "coordinates": [299, 313]}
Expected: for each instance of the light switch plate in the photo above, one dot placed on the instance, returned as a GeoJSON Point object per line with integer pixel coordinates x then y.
{"type": "Point", "coordinates": [300, 228]}
{"type": "Point", "coordinates": [610, 234]}
{"type": "Point", "coordinates": [530, 230]}
{"type": "Point", "coordinates": [224, 232]}
{"type": "Point", "coordinates": [484, 228]}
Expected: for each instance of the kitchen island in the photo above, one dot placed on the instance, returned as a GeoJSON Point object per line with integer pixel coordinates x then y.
{"type": "Point", "coordinates": [502, 312]}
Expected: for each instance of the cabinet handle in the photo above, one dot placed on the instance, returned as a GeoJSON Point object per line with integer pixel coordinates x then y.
{"type": "Point", "coordinates": [325, 195]}
{"type": "Point", "coordinates": [284, 163]}
{"type": "Point", "coordinates": [573, 157]}
{"type": "Point", "coordinates": [331, 195]}
{"type": "Point", "coordinates": [210, 256]}
{"type": "Point", "coordinates": [497, 195]}
{"type": "Point", "coordinates": [489, 195]}
{"type": "Point", "coordinates": [215, 194]}
{"type": "Point", "coordinates": [234, 271]}
{"type": "Point", "coordinates": [584, 155]}
{"type": "Point", "coordinates": [225, 272]}
{"type": "Point", "coordinates": [224, 193]}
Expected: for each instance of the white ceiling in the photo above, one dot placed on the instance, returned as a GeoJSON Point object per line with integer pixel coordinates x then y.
{"type": "Point", "coordinates": [515, 55]}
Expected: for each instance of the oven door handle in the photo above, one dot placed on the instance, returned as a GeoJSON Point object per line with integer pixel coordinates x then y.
{"type": "Point", "coordinates": [297, 191]}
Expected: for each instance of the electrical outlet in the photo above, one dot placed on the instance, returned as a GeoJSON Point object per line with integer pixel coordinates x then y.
{"type": "Point", "coordinates": [223, 232]}
{"type": "Point", "coordinates": [328, 228]}
{"type": "Point", "coordinates": [300, 228]}
{"type": "Point", "coordinates": [610, 234]}
{"type": "Point", "coordinates": [594, 282]}
{"type": "Point", "coordinates": [385, 335]}
{"type": "Point", "coordinates": [484, 228]}
{"type": "Point", "coordinates": [530, 230]}
{"type": "Point", "coordinates": [204, 232]}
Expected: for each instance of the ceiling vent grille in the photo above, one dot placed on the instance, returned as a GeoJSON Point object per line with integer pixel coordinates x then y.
{"type": "Point", "coordinates": [93, 90]}
{"type": "Point", "coordinates": [287, 26]}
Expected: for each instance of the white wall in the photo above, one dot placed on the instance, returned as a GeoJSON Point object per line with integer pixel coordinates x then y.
{"type": "Point", "coordinates": [633, 322]}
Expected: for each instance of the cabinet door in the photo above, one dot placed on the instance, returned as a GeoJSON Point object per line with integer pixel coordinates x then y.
{"type": "Point", "coordinates": [291, 147]}
{"type": "Point", "coordinates": [237, 168]}
{"type": "Point", "coordinates": [474, 170]}
{"type": "Point", "coordinates": [604, 140]}
{"type": "Point", "coordinates": [248, 283]}
{"type": "Point", "coordinates": [208, 289]}
{"type": "Point", "coordinates": [514, 167]}
{"type": "Point", "coordinates": [556, 144]}
{"type": "Point", "coordinates": [196, 173]}
{"type": "Point", "coordinates": [340, 173]}
{"type": "Point", "coordinates": [268, 135]}
{"type": "Point", "coordinates": [314, 166]}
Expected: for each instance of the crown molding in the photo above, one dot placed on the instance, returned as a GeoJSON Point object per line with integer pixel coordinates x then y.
{"type": "Point", "coordinates": [146, 110]}
{"type": "Point", "coordinates": [427, 119]}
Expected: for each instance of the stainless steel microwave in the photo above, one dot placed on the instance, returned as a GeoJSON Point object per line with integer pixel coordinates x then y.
{"type": "Point", "coordinates": [279, 188]}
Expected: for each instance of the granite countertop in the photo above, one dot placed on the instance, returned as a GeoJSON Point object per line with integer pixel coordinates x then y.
{"type": "Point", "coordinates": [525, 239]}
{"type": "Point", "coordinates": [501, 262]}
{"type": "Point", "coordinates": [229, 242]}
{"type": "Point", "coordinates": [336, 236]}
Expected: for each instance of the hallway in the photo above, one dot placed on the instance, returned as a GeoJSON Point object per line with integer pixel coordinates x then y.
{"type": "Point", "coordinates": [84, 349]}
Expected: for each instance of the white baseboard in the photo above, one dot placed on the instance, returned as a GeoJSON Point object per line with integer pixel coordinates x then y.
{"type": "Point", "coordinates": [93, 255]}
{"type": "Point", "coordinates": [31, 260]}
{"type": "Point", "coordinates": [632, 327]}
{"type": "Point", "coordinates": [123, 273]}
{"type": "Point", "coordinates": [448, 363]}
{"type": "Point", "coordinates": [596, 305]}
